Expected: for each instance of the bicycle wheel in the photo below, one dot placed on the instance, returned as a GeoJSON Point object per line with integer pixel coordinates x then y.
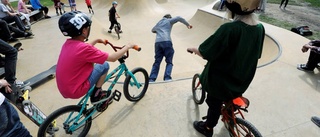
{"type": "Point", "coordinates": [59, 117]}
{"type": "Point", "coordinates": [116, 29]}
{"type": "Point", "coordinates": [197, 92]}
{"type": "Point", "coordinates": [130, 87]}
{"type": "Point", "coordinates": [243, 128]}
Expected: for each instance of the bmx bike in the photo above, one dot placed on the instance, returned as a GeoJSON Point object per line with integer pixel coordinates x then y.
{"type": "Point", "coordinates": [231, 112]}
{"type": "Point", "coordinates": [117, 29]}
{"type": "Point", "coordinates": [76, 120]}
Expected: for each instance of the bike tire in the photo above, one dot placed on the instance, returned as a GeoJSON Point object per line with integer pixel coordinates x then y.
{"type": "Point", "coordinates": [197, 92]}
{"type": "Point", "coordinates": [130, 90]}
{"type": "Point", "coordinates": [116, 29]}
{"type": "Point", "coordinates": [60, 116]}
{"type": "Point", "coordinates": [243, 128]}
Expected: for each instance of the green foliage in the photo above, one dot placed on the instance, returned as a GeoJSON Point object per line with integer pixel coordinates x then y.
{"type": "Point", "coordinates": [47, 3]}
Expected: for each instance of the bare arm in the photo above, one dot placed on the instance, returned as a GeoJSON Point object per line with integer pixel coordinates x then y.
{"type": "Point", "coordinates": [6, 85]}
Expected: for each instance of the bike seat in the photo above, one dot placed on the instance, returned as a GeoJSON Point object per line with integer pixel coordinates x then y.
{"type": "Point", "coordinates": [241, 102]}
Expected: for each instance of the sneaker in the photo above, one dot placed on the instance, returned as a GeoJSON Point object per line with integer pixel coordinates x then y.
{"type": "Point", "coordinates": [100, 94]}
{"type": "Point", "coordinates": [57, 13]}
{"type": "Point", "coordinates": [200, 126]}
{"type": "Point", "coordinates": [28, 34]}
{"type": "Point", "coordinates": [120, 31]}
{"type": "Point", "coordinates": [168, 80]}
{"type": "Point", "coordinates": [47, 17]}
{"type": "Point", "coordinates": [12, 39]}
{"type": "Point", "coordinates": [304, 67]}
{"type": "Point", "coordinates": [316, 120]}
{"type": "Point", "coordinates": [109, 31]}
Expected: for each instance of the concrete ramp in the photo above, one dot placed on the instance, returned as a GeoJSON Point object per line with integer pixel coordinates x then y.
{"type": "Point", "coordinates": [282, 98]}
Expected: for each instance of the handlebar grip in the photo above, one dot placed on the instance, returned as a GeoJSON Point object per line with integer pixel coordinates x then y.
{"type": "Point", "coordinates": [189, 51]}
{"type": "Point", "coordinates": [136, 47]}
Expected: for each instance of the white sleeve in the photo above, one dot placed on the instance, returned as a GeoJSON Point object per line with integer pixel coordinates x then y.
{"type": "Point", "coordinates": [2, 98]}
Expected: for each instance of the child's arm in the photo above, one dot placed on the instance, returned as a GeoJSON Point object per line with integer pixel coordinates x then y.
{"type": "Point", "coordinates": [98, 41]}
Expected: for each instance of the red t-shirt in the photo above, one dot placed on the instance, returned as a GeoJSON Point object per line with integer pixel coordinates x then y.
{"type": "Point", "coordinates": [88, 2]}
{"type": "Point", "coordinates": [74, 67]}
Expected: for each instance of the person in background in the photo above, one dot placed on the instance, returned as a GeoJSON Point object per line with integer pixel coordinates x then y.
{"type": "Point", "coordinates": [11, 125]}
{"type": "Point", "coordinates": [314, 56]}
{"type": "Point", "coordinates": [73, 5]}
{"type": "Point", "coordinates": [232, 55]}
{"type": "Point", "coordinates": [285, 4]}
{"type": "Point", "coordinates": [8, 14]}
{"type": "Point", "coordinates": [36, 5]}
{"type": "Point", "coordinates": [113, 15]}
{"type": "Point", "coordinates": [163, 45]}
{"type": "Point", "coordinates": [88, 2]}
{"type": "Point", "coordinates": [57, 6]}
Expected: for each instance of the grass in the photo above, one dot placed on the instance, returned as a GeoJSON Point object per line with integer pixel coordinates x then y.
{"type": "Point", "coordinates": [286, 25]}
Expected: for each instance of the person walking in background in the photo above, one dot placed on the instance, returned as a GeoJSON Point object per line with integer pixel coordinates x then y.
{"type": "Point", "coordinates": [88, 2]}
{"type": "Point", "coordinates": [232, 55]}
{"type": "Point", "coordinates": [285, 4]}
{"type": "Point", "coordinates": [113, 15]}
{"type": "Point", "coordinates": [314, 56]}
{"type": "Point", "coordinates": [163, 45]}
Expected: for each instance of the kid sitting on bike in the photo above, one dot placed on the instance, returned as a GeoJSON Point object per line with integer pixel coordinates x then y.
{"type": "Point", "coordinates": [81, 65]}
{"type": "Point", "coordinates": [232, 53]}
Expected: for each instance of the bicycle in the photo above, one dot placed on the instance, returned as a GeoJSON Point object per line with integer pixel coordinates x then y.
{"type": "Point", "coordinates": [231, 112]}
{"type": "Point", "coordinates": [76, 120]}
{"type": "Point", "coordinates": [117, 29]}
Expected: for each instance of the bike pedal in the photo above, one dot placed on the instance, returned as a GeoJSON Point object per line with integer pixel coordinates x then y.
{"type": "Point", "coordinates": [116, 95]}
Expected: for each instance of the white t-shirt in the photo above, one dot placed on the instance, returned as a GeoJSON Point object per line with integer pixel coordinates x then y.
{"type": "Point", "coordinates": [3, 10]}
{"type": "Point", "coordinates": [2, 98]}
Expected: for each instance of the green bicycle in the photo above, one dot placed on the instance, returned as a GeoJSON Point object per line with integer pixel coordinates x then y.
{"type": "Point", "coordinates": [76, 120]}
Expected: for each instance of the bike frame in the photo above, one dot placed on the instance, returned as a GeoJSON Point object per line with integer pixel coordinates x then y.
{"type": "Point", "coordinates": [120, 70]}
{"type": "Point", "coordinates": [229, 112]}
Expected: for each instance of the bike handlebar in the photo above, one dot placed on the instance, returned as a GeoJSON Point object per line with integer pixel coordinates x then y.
{"type": "Point", "coordinates": [115, 48]}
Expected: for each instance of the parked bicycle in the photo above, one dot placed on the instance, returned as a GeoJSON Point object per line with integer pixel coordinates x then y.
{"type": "Point", "coordinates": [76, 120]}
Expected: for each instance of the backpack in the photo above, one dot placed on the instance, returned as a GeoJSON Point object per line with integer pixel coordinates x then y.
{"type": "Point", "coordinates": [302, 30]}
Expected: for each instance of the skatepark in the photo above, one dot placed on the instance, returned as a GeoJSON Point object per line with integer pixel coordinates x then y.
{"type": "Point", "coordinates": [282, 98]}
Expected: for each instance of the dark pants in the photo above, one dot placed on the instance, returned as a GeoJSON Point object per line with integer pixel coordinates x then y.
{"type": "Point", "coordinates": [5, 31]}
{"type": "Point", "coordinates": [214, 111]}
{"type": "Point", "coordinates": [10, 59]}
{"type": "Point", "coordinates": [44, 9]}
{"type": "Point", "coordinates": [11, 125]}
{"type": "Point", "coordinates": [313, 60]}
{"type": "Point", "coordinates": [162, 49]}
{"type": "Point", "coordinates": [285, 5]}
{"type": "Point", "coordinates": [114, 22]}
{"type": "Point", "coordinates": [17, 20]}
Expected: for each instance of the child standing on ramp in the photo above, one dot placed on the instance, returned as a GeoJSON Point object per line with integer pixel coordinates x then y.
{"type": "Point", "coordinates": [88, 2]}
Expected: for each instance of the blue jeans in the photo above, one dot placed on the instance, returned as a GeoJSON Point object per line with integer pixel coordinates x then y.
{"type": "Point", "coordinates": [162, 49]}
{"type": "Point", "coordinates": [98, 71]}
{"type": "Point", "coordinates": [11, 125]}
{"type": "Point", "coordinates": [10, 59]}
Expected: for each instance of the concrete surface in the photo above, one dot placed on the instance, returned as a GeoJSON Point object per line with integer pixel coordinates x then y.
{"type": "Point", "coordinates": [283, 99]}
